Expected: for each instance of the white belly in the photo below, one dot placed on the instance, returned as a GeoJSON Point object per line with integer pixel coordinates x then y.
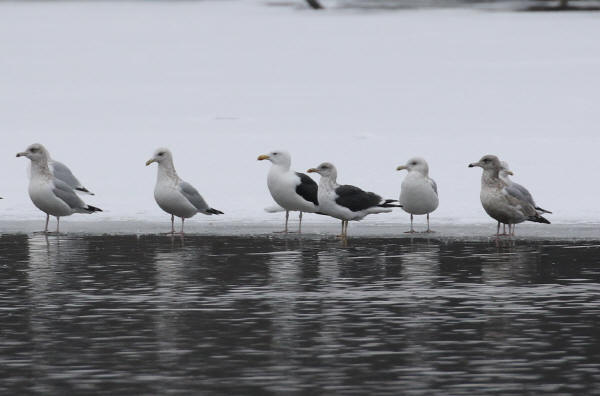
{"type": "Point", "coordinates": [497, 207]}
{"type": "Point", "coordinates": [172, 201]}
{"type": "Point", "coordinates": [44, 199]}
{"type": "Point", "coordinates": [417, 197]}
{"type": "Point", "coordinates": [282, 187]}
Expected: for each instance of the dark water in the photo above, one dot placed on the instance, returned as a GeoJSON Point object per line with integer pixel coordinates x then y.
{"type": "Point", "coordinates": [257, 315]}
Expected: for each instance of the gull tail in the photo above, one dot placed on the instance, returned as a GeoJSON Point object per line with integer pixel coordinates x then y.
{"type": "Point", "coordinates": [212, 211]}
{"type": "Point", "coordinates": [541, 210]}
{"type": "Point", "coordinates": [84, 190]}
{"type": "Point", "coordinates": [538, 219]}
{"type": "Point", "coordinates": [388, 203]}
{"type": "Point", "coordinates": [92, 209]}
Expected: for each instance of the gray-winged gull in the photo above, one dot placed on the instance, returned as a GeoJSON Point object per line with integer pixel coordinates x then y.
{"type": "Point", "coordinates": [418, 192]}
{"type": "Point", "coordinates": [48, 193]}
{"type": "Point", "coordinates": [173, 195]}
{"type": "Point", "coordinates": [501, 202]}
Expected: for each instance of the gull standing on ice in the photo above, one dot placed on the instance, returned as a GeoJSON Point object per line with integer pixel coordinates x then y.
{"type": "Point", "coordinates": [518, 190]}
{"type": "Point", "coordinates": [346, 202]}
{"type": "Point", "coordinates": [501, 202]}
{"type": "Point", "coordinates": [173, 195]}
{"type": "Point", "coordinates": [418, 192]}
{"type": "Point", "coordinates": [293, 191]}
{"type": "Point", "coordinates": [50, 194]}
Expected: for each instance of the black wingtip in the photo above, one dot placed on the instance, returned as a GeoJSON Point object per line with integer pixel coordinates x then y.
{"type": "Point", "coordinates": [92, 209]}
{"type": "Point", "coordinates": [213, 211]}
{"type": "Point", "coordinates": [539, 219]}
{"type": "Point", "coordinates": [388, 204]}
{"type": "Point", "coordinates": [542, 210]}
{"type": "Point", "coordinates": [85, 190]}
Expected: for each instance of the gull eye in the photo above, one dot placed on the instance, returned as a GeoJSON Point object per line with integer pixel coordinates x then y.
{"type": "Point", "coordinates": [275, 153]}
{"type": "Point", "coordinates": [160, 154]}
{"type": "Point", "coordinates": [33, 150]}
{"type": "Point", "coordinates": [413, 163]}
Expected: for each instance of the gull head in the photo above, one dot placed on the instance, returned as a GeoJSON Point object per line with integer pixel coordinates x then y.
{"type": "Point", "coordinates": [277, 157]}
{"type": "Point", "coordinates": [488, 162]}
{"type": "Point", "coordinates": [36, 153]}
{"type": "Point", "coordinates": [326, 169]}
{"type": "Point", "coordinates": [415, 164]}
{"type": "Point", "coordinates": [505, 171]}
{"type": "Point", "coordinates": [161, 156]}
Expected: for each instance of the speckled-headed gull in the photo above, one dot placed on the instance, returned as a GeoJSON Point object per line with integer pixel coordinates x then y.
{"type": "Point", "coordinates": [173, 195]}
{"type": "Point", "coordinates": [346, 202]}
{"type": "Point", "coordinates": [501, 202]}
{"type": "Point", "coordinates": [418, 192]}
{"type": "Point", "coordinates": [293, 191]}
{"type": "Point", "coordinates": [48, 193]}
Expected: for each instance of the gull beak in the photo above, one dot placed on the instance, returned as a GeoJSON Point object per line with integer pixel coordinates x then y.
{"type": "Point", "coordinates": [150, 161]}
{"type": "Point", "coordinates": [263, 157]}
{"type": "Point", "coordinates": [21, 154]}
{"type": "Point", "coordinates": [473, 164]}
{"type": "Point", "coordinates": [312, 170]}
{"type": "Point", "coordinates": [401, 167]}
{"type": "Point", "coordinates": [510, 173]}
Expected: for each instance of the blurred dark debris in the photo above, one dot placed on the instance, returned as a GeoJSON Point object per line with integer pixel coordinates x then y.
{"type": "Point", "coordinates": [514, 5]}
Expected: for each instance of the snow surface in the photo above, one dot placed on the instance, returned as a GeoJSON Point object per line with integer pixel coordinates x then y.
{"type": "Point", "coordinates": [104, 84]}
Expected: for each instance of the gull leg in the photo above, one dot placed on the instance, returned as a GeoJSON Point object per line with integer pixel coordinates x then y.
{"type": "Point", "coordinates": [504, 228]}
{"type": "Point", "coordinates": [428, 229]}
{"type": "Point", "coordinates": [513, 230]}
{"type": "Point", "coordinates": [172, 224]}
{"type": "Point", "coordinates": [287, 217]}
{"type": "Point", "coordinates": [182, 221]}
{"type": "Point", "coordinates": [346, 230]}
{"type": "Point", "coordinates": [342, 233]}
{"type": "Point", "coordinates": [57, 224]}
{"type": "Point", "coordinates": [47, 220]}
{"type": "Point", "coordinates": [498, 230]}
{"type": "Point", "coordinates": [411, 231]}
{"type": "Point", "coordinates": [300, 225]}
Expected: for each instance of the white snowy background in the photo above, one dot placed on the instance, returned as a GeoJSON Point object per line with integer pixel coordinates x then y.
{"type": "Point", "coordinates": [102, 85]}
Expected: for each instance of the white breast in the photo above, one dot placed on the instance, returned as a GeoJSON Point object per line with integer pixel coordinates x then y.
{"type": "Point", "coordinates": [42, 196]}
{"type": "Point", "coordinates": [417, 195]}
{"type": "Point", "coordinates": [172, 201]}
{"type": "Point", "coordinates": [282, 186]}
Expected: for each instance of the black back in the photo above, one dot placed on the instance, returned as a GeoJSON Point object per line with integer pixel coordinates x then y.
{"type": "Point", "coordinates": [307, 188]}
{"type": "Point", "coordinates": [356, 199]}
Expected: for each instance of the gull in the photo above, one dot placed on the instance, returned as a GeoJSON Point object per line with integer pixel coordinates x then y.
{"type": "Point", "coordinates": [173, 195]}
{"type": "Point", "coordinates": [500, 201]}
{"type": "Point", "coordinates": [346, 202]}
{"type": "Point", "coordinates": [418, 192]}
{"type": "Point", "coordinates": [48, 193]}
{"type": "Point", "coordinates": [293, 191]}
{"type": "Point", "coordinates": [518, 190]}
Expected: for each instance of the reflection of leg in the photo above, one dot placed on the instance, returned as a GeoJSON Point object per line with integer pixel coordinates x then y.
{"type": "Point", "coordinates": [300, 225]}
